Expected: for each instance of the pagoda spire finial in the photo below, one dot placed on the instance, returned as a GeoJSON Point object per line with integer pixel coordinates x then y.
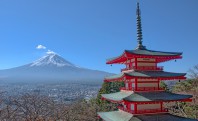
{"type": "Point", "coordinates": [139, 28]}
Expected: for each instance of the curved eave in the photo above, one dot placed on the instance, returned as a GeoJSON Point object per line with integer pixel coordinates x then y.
{"type": "Point", "coordinates": [127, 54]}
{"type": "Point", "coordinates": [112, 101]}
{"type": "Point", "coordinates": [143, 102]}
{"type": "Point", "coordinates": [115, 116]}
{"type": "Point", "coordinates": [118, 59]}
{"type": "Point", "coordinates": [141, 97]}
{"type": "Point", "coordinates": [116, 97]}
{"type": "Point", "coordinates": [153, 52]}
{"type": "Point", "coordinates": [124, 116]}
{"type": "Point", "coordinates": [118, 77]}
{"type": "Point", "coordinates": [145, 97]}
{"type": "Point", "coordinates": [126, 76]}
{"type": "Point", "coordinates": [162, 117]}
{"type": "Point", "coordinates": [159, 58]}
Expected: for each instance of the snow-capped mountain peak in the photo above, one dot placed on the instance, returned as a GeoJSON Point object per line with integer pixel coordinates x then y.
{"type": "Point", "coordinates": [52, 59]}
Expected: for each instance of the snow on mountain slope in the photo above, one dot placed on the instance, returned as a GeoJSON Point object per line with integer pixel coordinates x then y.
{"type": "Point", "coordinates": [52, 59]}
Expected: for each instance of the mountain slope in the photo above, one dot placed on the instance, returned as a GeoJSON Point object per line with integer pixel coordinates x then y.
{"type": "Point", "coordinates": [51, 68]}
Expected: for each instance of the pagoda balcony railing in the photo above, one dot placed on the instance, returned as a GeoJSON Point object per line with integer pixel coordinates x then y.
{"type": "Point", "coordinates": [152, 111]}
{"type": "Point", "coordinates": [147, 68]}
{"type": "Point", "coordinates": [148, 88]}
{"type": "Point", "coordinates": [145, 111]}
{"type": "Point", "coordinates": [142, 89]}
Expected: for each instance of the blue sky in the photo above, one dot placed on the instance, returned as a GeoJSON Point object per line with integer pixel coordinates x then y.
{"type": "Point", "coordinates": [87, 32]}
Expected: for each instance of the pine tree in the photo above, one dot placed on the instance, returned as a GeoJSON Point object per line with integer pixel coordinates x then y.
{"type": "Point", "coordinates": [108, 87]}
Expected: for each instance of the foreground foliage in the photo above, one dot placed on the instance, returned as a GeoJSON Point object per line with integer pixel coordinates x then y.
{"type": "Point", "coordinates": [35, 107]}
{"type": "Point", "coordinates": [186, 109]}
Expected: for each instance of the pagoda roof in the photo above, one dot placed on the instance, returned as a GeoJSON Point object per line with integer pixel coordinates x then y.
{"type": "Point", "coordinates": [116, 116]}
{"type": "Point", "coordinates": [124, 116]}
{"type": "Point", "coordinates": [118, 96]}
{"type": "Point", "coordinates": [147, 74]}
{"type": "Point", "coordinates": [155, 96]}
{"type": "Point", "coordinates": [159, 55]}
{"type": "Point", "coordinates": [152, 52]}
{"type": "Point", "coordinates": [144, 96]}
{"type": "Point", "coordinates": [162, 117]}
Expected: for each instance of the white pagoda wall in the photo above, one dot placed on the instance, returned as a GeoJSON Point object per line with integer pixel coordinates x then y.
{"type": "Point", "coordinates": [141, 80]}
{"type": "Point", "coordinates": [147, 85]}
{"type": "Point", "coordinates": [142, 83]}
{"type": "Point", "coordinates": [146, 64]}
{"type": "Point", "coordinates": [148, 106]}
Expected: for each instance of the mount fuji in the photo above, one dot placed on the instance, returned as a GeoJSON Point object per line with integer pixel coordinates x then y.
{"type": "Point", "coordinates": [52, 68]}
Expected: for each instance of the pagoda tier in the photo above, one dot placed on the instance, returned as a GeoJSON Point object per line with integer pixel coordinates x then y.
{"type": "Point", "coordinates": [160, 75]}
{"type": "Point", "coordinates": [145, 97]}
{"type": "Point", "coordinates": [124, 116]}
{"type": "Point", "coordinates": [144, 80]}
{"type": "Point", "coordinates": [138, 103]}
{"type": "Point", "coordinates": [132, 55]}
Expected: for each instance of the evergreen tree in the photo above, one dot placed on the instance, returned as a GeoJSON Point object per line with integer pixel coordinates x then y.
{"type": "Point", "coordinates": [164, 86]}
{"type": "Point", "coordinates": [108, 87]}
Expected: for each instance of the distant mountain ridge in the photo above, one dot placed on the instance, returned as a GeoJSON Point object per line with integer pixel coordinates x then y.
{"type": "Point", "coordinates": [52, 68]}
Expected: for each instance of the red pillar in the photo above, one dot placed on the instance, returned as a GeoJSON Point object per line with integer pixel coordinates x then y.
{"type": "Point", "coordinates": [136, 84]}
{"type": "Point", "coordinates": [130, 87]}
{"type": "Point", "coordinates": [161, 104]}
{"type": "Point", "coordinates": [135, 107]}
{"type": "Point", "coordinates": [136, 63]}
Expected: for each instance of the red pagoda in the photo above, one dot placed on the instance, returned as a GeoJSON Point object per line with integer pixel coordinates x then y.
{"type": "Point", "coordinates": [142, 99]}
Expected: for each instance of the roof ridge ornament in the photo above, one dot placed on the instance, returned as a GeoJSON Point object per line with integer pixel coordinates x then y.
{"type": "Point", "coordinates": [139, 29]}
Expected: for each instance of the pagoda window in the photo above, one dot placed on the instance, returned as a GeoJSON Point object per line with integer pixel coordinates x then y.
{"type": "Point", "coordinates": [146, 64]}
{"type": "Point", "coordinates": [147, 84]}
{"type": "Point", "coordinates": [125, 107]}
{"type": "Point", "coordinates": [149, 106]}
{"type": "Point", "coordinates": [127, 85]}
{"type": "Point", "coordinates": [132, 107]}
{"type": "Point", "coordinates": [133, 85]}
